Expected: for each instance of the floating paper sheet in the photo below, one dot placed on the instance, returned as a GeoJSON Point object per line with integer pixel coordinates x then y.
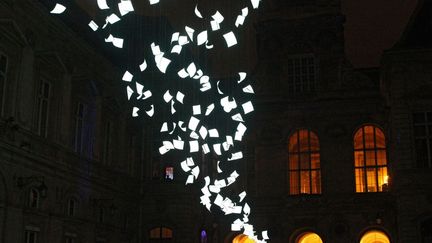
{"type": "Point", "coordinates": [242, 77]}
{"type": "Point", "coordinates": [125, 6]}
{"type": "Point", "coordinates": [150, 112]}
{"type": "Point", "coordinates": [203, 132]}
{"type": "Point", "coordinates": [218, 17]}
{"type": "Point", "coordinates": [209, 109]}
{"type": "Point", "coordinates": [194, 146]}
{"type": "Point", "coordinates": [193, 123]}
{"type": "Point", "coordinates": [196, 109]}
{"type": "Point", "coordinates": [143, 66]}
{"type": "Point", "coordinates": [102, 4]}
{"type": "Point", "coordinates": [248, 89]}
{"type": "Point", "coordinates": [197, 12]}
{"type": "Point", "coordinates": [113, 18]}
{"type": "Point", "coordinates": [247, 107]}
{"type": "Point", "coordinates": [167, 96]}
{"type": "Point", "coordinates": [230, 39]}
{"type": "Point", "coordinates": [127, 76]}
{"type": "Point", "coordinates": [190, 32]}
{"type": "Point", "coordinates": [135, 112]}
{"type": "Point", "coordinates": [202, 38]}
{"type": "Point", "coordinates": [129, 92]}
{"type": "Point", "coordinates": [93, 26]}
{"type": "Point", "coordinates": [153, 2]}
{"type": "Point", "coordinates": [180, 96]}
{"type": "Point", "coordinates": [255, 3]}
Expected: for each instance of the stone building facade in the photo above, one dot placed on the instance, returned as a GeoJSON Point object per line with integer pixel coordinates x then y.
{"type": "Point", "coordinates": [69, 154]}
{"type": "Point", "coordinates": [334, 154]}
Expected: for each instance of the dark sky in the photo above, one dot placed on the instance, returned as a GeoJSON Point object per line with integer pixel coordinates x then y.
{"type": "Point", "coordinates": [373, 26]}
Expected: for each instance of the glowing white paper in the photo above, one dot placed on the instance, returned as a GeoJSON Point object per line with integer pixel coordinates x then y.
{"type": "Point", "coordinates": [93, 25]}
{"type": "Point", "coordinates": [150, 112]}
{"type": "Point", "coordinates": [194, 146]}
{"type": "Point", "coordinates": [193, 123]}
{"type": "Point", "coordinates": [127, 76]}
{"type": "Point", "coordinates": [209, 109]}
{"type": "Point", "coordinates": [202, 38]}
{"type": "Point", "coordinates": [180, 96]}
{"type": "Point", "coordinates": [190, 32]}
{"type": "Point", "coordinates": [218, 17]}
{"type": "Point", "coordinates": [196, 109]}
{"type": "Point", "coordinates": [248, 89]}
{"type": "Point", "coordinates": [247, 107]}
{"type": "Point", "coordinates": [197, 12]}
{"type": "Point", "coordinates": [129, 92]}
{"type": "Point", "coordinates": [167, 96]}
{"type": "Point", "coordinates": [230, 39]}
{"type": "Point", "coordinates": [102, 4]}
{"type": "Point", "coordinates": [125, 6]}
{"type": "Point", "coordinates": [143, 66]}
{"type": "Point", "coordinates": [135, 112]}
{"type": "Point", "coordinates": [213, 133]}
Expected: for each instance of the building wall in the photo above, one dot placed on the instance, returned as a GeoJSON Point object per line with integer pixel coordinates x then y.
{"type": "Point", "coordinates": [39, 47]}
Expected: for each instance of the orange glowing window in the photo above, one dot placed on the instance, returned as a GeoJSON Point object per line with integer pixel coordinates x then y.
{"type": "Point", "coordinates": [242, 239]}
{"type": "Point", "coordinates": [370, 160]}
{"type": "Point", "coordinates": [309, 237]}
{"type": "Point", "coordinates": [304, 171]}
{"type": "Point", "coordinates": [374, 236]}
{"type": "Point", "coordinates": [161, 233]}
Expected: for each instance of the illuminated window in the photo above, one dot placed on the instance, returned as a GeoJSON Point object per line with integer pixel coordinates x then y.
{"type": "Point", "coordinates": [79, 128]}
{"type": "Point", "coordinates": [3, 76]}
{"type": "Point", "coordinates": [71, 207]}
{"type": "Point", "coordinates": [370, 160]}
{"type": "Point", "coordinates": [161, 234]}
{"type": "Point", "coordinates": [43, 107]}
{"type": "Point", "coordinates": [304, 171]}
{"type": "Point", "coordinates": [309, 237]}
{"type": "Point", "coordinates": [422, 122]}
{"type": "Point", "coordinates": [34, 198]}
{"type": "Point", "coordinates": [374, 236]}
{"type": "Point", "coordinates": [242, 239]}
{"type": "Point", "coordinates": [301, 74]}
{"type": "Point", "coordinates": [426, 231]}
{"type": "Point", "coordinates": [169, 173]}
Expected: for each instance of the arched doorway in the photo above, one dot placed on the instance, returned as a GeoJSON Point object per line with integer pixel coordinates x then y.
{"type": "Point", "coordinates": [309, 237]}
{"type": "Point", "coordinates": [242, 239]}
{"type": "Point", "coordinates": [374, 236]}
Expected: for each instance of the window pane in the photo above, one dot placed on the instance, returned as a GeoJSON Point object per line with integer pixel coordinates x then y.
{"type": "Point", "coordinates": [421, 153]}
{"type": "Point", "coordinates": [419, 117]}
{"type": "Point", "coordinates": [382, 178]}
{"type": "Point", "coordinates": [381, 157]}
{"type": "Point", "coordinates": [371, 180]}
{"type": "Point", "coordinates": [305, 181]}
{"type": "Point", "coordinates": [293, 162]}
{"type": "Point", "coordinates": [294, 182]}
{"type": "Point", "coordinates": [304, 161]}
{"type": "Point", "coordinates": [420, 131]}
{"type": "Point", "coordinates": [155, 233]}
{"type": "Point", "coordinates": [359, 175]}
{"type": "Point", "coordinates": [304, 140]}
{"type": "Point", "coordinates": [379, 138]}
{"type": "Point", "coordinates": [369, 136]}
{"type": "Point", "coordinates": [370, 158]}
{"type": "Point", "coordinates": [314, 143]}
{"type": "Point", "coordinates": [166, 233]}
{"type": "Point", "coordinates": [315, 160]}
{"type": "Point", "coordinates": [3, 64]}
{"type": "Point", "coordinates": [359, 158]}
{"type": "Point", "coordinates": [293, 143]}
{"type": "Point", "coordinates": [358, 139]}
{"type": "Point", "coordinates": [316, 181]}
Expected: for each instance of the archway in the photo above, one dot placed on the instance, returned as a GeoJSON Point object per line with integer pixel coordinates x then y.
{"type": "Point", "coordinates": [242, 239]}
{"type": "Point", "coordinates": [309, 237]}
{"type": "Point", "coordinates": [374, 236]}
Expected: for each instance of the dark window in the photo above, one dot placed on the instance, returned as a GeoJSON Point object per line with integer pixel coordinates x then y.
{"type": "Point", "coordinates": [304, 171]}
{"type": "Point", "coordinates": [422, 122]}
{"type": "Point", "coordinates": [101, 214]}
{"type": "Point", "coordinates": [426, 231]}
{"type": "Point", "coordinates": [79, 128]}
{"type": "Point", "coordinates": [34, 198]}
{"type": "Point", "coordinates": [370, 160]}
{"type": "Point", "coordinates": [31, 236]}
{"type": "Point", "coordinates": [43, 109]}
{"type": "Point", "coordinates": [3, 76]}
{"type": "Point", "coordinates": [70, 239]}
{"type": "Point", "coordinates": [301, 74]}
{"type": "Point", "coordinates": [71, 207]}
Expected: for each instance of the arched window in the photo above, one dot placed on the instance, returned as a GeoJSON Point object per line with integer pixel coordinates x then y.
{"type": "Point", "coordinates": [161, 234]}
{"type": "Point", "coordinates": [374, 236]}
{"type": "Point", "coordinates": [304, 171]}
{"type": "Point", "coordinates": [309, 237]}
{"type": "Point", "coordinates": [370, 160]}
{"type": "Point", "coordinates": [242, 239]}
{"type": "Point", "coordinates": [34, 198]}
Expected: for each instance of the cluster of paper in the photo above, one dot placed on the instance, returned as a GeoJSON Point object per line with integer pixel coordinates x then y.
{"type": "Point", "coordinates": [193, 135]}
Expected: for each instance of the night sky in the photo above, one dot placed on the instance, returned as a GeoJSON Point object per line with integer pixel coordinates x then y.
{"type": "Point", "coordinates": [373, 26]}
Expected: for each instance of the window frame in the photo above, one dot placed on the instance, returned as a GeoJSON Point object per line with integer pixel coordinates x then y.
{"type": "Point", "coordinates": [5, 78]}
{"type": "Point", "coordinates": [80, 120]}
{"type": "Point", "coordinates": [31, 203]}
{"type": "Point", "coordinates": [376, 167]}
{"type": "Point", "coordinates": [298, 171]}
{"type": "Point", "coordinates": [41, 98]}
{"type": "Point", "coordinates": [31, 230]}
{"type": "Point", "coordinates": [427, 137]}
{"type": "Point", "coordinates": [291, 77]}
{"type": "Point", "coordinates": [68, 207]}
{"type": "Point", "coordinates": [161, 238]}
